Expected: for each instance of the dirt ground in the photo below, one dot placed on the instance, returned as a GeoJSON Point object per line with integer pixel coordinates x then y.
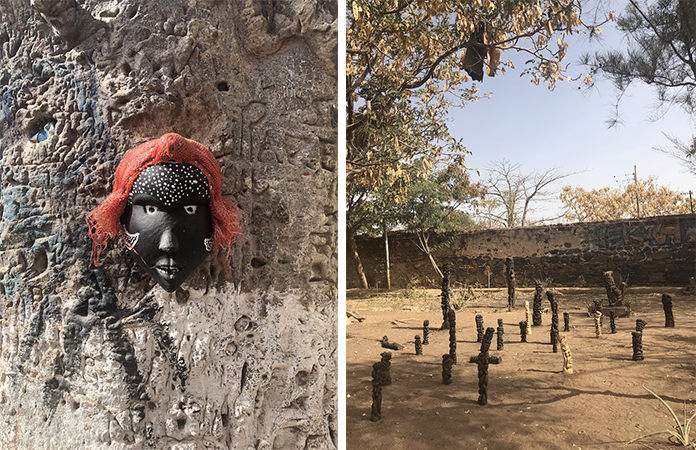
{"type": "Point", "coordinates": [532, 404]}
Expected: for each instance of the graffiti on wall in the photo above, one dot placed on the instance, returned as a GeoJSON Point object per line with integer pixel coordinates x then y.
{"type": "Point", "coordinates": [614, 235]}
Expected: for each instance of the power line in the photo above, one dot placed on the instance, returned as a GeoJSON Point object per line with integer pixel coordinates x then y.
{"type": "Point", "coordinates": [628, 176]}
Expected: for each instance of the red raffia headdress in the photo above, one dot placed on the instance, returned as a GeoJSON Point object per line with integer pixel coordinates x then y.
{"type": "Point", "coordinates": [104, 221]}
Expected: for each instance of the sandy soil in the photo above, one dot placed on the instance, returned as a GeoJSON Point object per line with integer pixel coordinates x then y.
{"type": "Point", "coordinates": [532, 404]}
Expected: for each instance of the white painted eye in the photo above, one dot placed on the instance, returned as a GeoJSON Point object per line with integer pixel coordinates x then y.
{"type": "Point", "coordinates": [150, 209]}
{"type": "Point", "coordinates": [190, 209]}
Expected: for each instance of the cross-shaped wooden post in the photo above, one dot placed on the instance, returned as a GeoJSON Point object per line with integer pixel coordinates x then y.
{"type": "Point", "coordinates": [483, 360]}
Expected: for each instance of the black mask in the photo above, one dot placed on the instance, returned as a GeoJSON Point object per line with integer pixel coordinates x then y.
{"type": "Point", "coordinates": [167, 222]}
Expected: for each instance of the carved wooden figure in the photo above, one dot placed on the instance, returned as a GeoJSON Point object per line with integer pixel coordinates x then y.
{"type": "Point", "coordinates": [376, 409]}
{"type": "Point", "coordinates": [483, 360]}
{"type": "Point", "coordinates": [381, 377]}
{"type": "Point", "coordinates": [523, 331]}
{"type": "Point", "coordinates": [445, 295]}
{"type": "Point", "coordinates": [536, 315]}
{"type": "Point", "coordinates": [527, 317]}
{"type": "Point", "coordinates": [386, 364]}
{"type": "Point", "coordinates": [479, 328]}
{"type": "Point", "coordinates": [510, 277]}
{"type": "Point", "coordinates": [452, 319]}
{"type": "Point", "coordinates": [418, 345]}
{"type": "Point", "coordinates": [566, 321]}
{"type": "Point", "coordinates": [640, 324]}
{"type": "Point", "coordinates": [667, 306]}
{"type": "Point", "coordinates": [598, 323]}
{"type": "Point", "coordinates": [612, 321]}
{"type": "Point", "coordinates": [501, 331]}
{"type": "Point", "coordinates": [426, 332]}
{"type": "Point", "coordinates": [637, 345]}
{"type": "Point", "coordinates": [598, 307]}
{"type": "Point", "coordinates": [386, 343]}
{"type": "Point", "coordinates": [614, 294]}
{"type": "Point", "coordinates": [554, 320]}
{"type": "Point", "coordinates": [446, 369]}
{"type": "Point", "coordinates": [567, 357]}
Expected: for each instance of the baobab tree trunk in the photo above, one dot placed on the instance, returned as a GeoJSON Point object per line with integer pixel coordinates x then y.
{"type": "Point", "coordinates": [386, 254]}
{"type": "Point", "coordinates": [353, 250]}
{"type": "Point", "coordinates": [104, 358]}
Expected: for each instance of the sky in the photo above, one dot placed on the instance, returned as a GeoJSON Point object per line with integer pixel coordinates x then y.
{"type": "Point", "coordinates": [565, 128]}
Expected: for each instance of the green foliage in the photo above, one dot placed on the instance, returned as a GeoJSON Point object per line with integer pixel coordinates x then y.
{"type": "Point", "coordinates": [429, 203]}
{"type": "Point", "coordinates": [661, 50]}
{"type": "Point", "coordinates": [434, 202]}
{"type": "Point", "coordinates": [409, 62]}
{"type": "Point", "coordinates": [682, 430]}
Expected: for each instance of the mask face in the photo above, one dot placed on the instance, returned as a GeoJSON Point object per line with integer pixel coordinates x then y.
{"type": "Point", "coordinates": [167, 222]}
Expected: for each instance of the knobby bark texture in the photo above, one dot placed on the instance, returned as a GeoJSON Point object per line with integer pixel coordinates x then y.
{"type": "Point", "coordinates": [244, 354]}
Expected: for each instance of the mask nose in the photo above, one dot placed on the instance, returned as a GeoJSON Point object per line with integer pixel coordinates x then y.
{"type": "Point", "coordinates": [168, 242]}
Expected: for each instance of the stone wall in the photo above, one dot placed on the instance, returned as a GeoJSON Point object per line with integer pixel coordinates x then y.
{"type": "Point", "coordinates": [650, 251]}
{"type": "Point", "coordinates": [244, 355]}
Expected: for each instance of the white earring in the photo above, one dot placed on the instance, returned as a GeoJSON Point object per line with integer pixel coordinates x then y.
{"type": "Point", "coordinates": [208, 243]}
{"type": "Point", "coordinates": [131, 239]}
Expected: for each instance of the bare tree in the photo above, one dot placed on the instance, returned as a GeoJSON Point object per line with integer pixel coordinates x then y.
{"type": "Point", "coordinates": [515, 192]}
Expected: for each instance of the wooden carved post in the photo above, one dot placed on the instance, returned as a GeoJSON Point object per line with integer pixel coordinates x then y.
{"type": "Point", "coordinates": [567, 357]}
{"type": "Point", "coordinates": [510, 277]}
{"type": "Point", "coordinates": [527, 317]}
{"type": "Point", "coordinates": [523, 331]}
{"type": "Point", "coordinates": [637, 345]}
{"type": "Point", "coordinates": [479, 328]}
{"type": "Point", "coordinates": [536, 316]}
{"type": "Point", "coordinates": [452, 319]}
{"type": "Point", "coordinates": [598, 307]}
{"type": "Point", "coordinates": [426, 332]}
{"type": "Point", "coordinates": [612, 321]}
{"type": "Point", "coordinates": [446, 369]}
{"type": "Point", "coordinates": [598, 323]}
{"type": "Point", "coordinates": [640, 324]}
{"type": "Point", "coordinates": [380, 377]}
{"type": "Point", "coordinates": [614, 294]}
{"type": "Point", "coordinates": [445, 294]}
{"type": "Point", "coordinates": [483, 360]}
{"type": "Point", "coordinates": [667, 306]}
{"type": "Point", "coordinates": [554, 320]}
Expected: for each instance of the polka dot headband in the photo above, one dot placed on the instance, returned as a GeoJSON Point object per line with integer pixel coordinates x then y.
{"type": "Point", "coordinates": [170, 182]}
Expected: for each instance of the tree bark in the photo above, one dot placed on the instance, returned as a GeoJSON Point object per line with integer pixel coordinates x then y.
{"type": "Point", "coordinates": [425, 248]}
{"type": "Point", "coordinates": [353, 249]}
{"type": "Point", "coordinates": [386, 250]}
{"type": "Point", "coordinates": [104, 358]}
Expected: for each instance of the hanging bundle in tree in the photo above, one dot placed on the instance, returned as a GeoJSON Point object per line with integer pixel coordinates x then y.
{"type": "Point", "coordinates": [479, 52]}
